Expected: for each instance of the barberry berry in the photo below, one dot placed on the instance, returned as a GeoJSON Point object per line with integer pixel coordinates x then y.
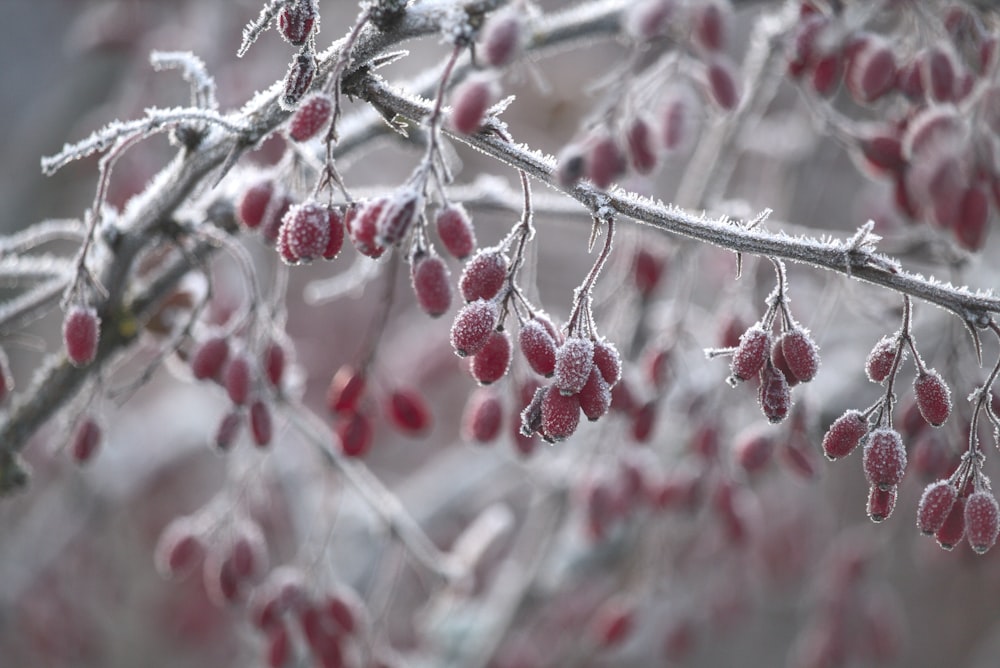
{"type": "Point", "coordinates": [483, 275]}
{"type": "Point", "coordinates": [296, 20]}
{"type": "Point", "coordinates": [641, 145]}
{"type": "Point", "coordinates": [354, 432]}
{"type": "Point", "coordinates": [881, 502]}
{"type": "Point", "coordinates": [491, 362]}
{"type": "Point", "coordinates": [306, 229]}
{"type": "Point", "coordinates": [360, 223]}
{"type": "Point", "coordinates": [935, 504]}
{"type": "Point", "coordinates": [773, 394]}
{"type": "Point", "coordinates": [260, 423]}
{"type": "Point", "coordinates": [179, 548]}
{"type": "Point", "coordinates": [432, 284]}
{"type": "Point", "coordinates": [346, 388]}
{"type": "Point", "coordinates": [884, 458]}
{"type": "Point", "coordinates": [335, 233]}
{"type": "Point", "coordinates": [595, 395]}
{"type": "Point", "coordinates": [298, 79]}
{"type": "Point", "coordinates": [560, 415]}
{"type": "Point", "coordinates": [538, 347]}
{"type": "Point", "coordinates": [844, 434]}
{"type": "Point", "coordinates": [254, 202]}
{"type": "Point", "coordinates": [574, 359]}
{"type": "Point", "coordinates": [472, 327]}
{"type": "Point", "coordinates": [933, 397]}
{"type": "Point", "coordinates": [952, 530]}
{"type": "Point", "coordinates": [312, 114]}
{"type": "Point", "coordinates": [751, 353]}
{"type": "Point", "coordinates": [483, 416]}
{"type": "Point", "coordinates": [723, 84]}
{"type": "Point", "coordinates": [81, 334]}
{"type": "Point", "coordinates": [398, 216]}
{"type": "Point", "coordinates": [608, 361]}
{"type": "Point", "coordinates": [502, 38]}
{"type": "Point", "coordinates": [237, 379]}
{"type": "Point", "coordinates": [880, 359]}
{"type": "Point", "coordinates": [470, 101]}
{"type": "Point", "coordinates": [87, 436]}
{"type": "Point", "coordinates": [408, 411]}
{"type": "Point", "coordinates": [982, 521]}
{"type": "Point", "coordinates": [454, 227]}
{"type": "Point", "coordinates": [209, 357]}
{"type": "Point", "coordinates": [800, 353]}
{"type": "Point", "coordinates": [274, 363]}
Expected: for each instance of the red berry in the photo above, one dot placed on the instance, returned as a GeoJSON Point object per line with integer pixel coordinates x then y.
{"type": "Point", "coordinates": [604, 161]}
{"type": "Point", "coordinates": [647, 270]}
{"type": "Point", "coordinates": [881, 502]}
{"type": "Point", "coordinates": [483, 416]}
{"type": "Point", "coordinates": [800, 353]}
{"type": "Point", "coordinates": [472, 327]}
{"type": "Point", "coordinates": [408, 411]}
{"type": "Point", "coordinates": [613, 623]}
{"type": "Point", "coordinates": [710, 25]}
{"type": "Point", "coordinates": [345, 390]}
{"type": "Point", "coordinates": [538, 347]}
{"type": "Point", "coordinates": [228, 430]}
{"type": "Point", "coordinates": [297, 80]}
{"type": "Point", "coordinates": [678, 119]}
{"type": "Point", "coordinates": [432, 284]}
{"type": "Point", "coordinates": [656, 364]}
{"type": "Point", "coordinates": [882, 148]}
{"type": "Point", "coordinates": [531, 414]}
{"type": "Point", "coordinates": [491, 362]}
{"type": "Point", "coordinates": [641, 145]}
{"type": "Point", "coordinates": [274, 363]}
{"type": "Point", "coordinates": [470, 101]}
{"type": "Point", "coordinates": [608, 361]}
{"type": "Point", "coordinates": [271, 225]}
{"type": "Point", "coordinates": [872, 69]}
{"type": "Point", "coordinates": [455, 229]}
{"type": "Point", "coordinates": [844, 435]}
{"type": "Point", "coordinates": [312, 114]}
{"type": "Point", "coordinates": [935, 504]}
{"type": "Point", "coordinates": [953, 529]}
{"type": "Point", "coordinates": [933, 397]}
{"type": "Point", "coordinates": [880, 359]}
{"type": "Point", "coordinates": [502, 38]}
{"type": "Point", "coordinates": [360, 224]}
{"type": "Point", "coordinates": [560, 415]}
{"type": "Point", "coordinates": [354, 431]}
{"type": "Point", "coordinates": [574, 359]}
{"type": "Point", "coordinates": [982, 521]}
{"type": "Point", "coordinates": [86, 439]}
{"type": "Point", "coordinates": [884, 458]}
{"type": "Point", "coordinates": [751, 353]}
{"type": "Point", "coordinates": [306, 228]}
{"type": "Point", "coordinates": [595, 395]}
{"type": "Point", "coordinates": [295, 21]}
{"type": "Point", "coordinates": [209, 357]}
{"type": "Point", "coordinates": [938, 72]}
{"type": "Point", "coordinates": [781, 364]}
{"type": "Point", "coordinates": [237, 380]}
{"type": "Point", "coordinates": [827, 73]}
{"type": "Point", "coordinates": [279, 648]}
{"type": "Point", "coordinates": [483, 275]}
{"type": "Point", "coordinates": [644, 421]}
{"type": "Point", "coordinates": [774, 395]}
{"type": "Point", "coordinates": [260, 423]}
{"type": "Point", "coordinates": [335, 234]}
{"type": "Point", "coordinates": [81, 334]}
{"type": "Point", "coordinates": [398, 216]}
{"type": "Point", "coordinates": [753, 449]}
{"type": "Point", "coordinates": [723, 84]}
{"type": "Point", "coordinates": [179, 549]}
{"type": "Point", "coordinates": [254, 202]}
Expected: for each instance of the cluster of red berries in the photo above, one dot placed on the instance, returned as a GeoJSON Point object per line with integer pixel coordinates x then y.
{"type": "Point", "coordinates": [941, 170]}
{"type": "Point", "coordinates": [961, 506]}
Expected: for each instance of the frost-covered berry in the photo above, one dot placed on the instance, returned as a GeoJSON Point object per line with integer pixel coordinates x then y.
{"type": "Point", "coordinates": [86, 439]}
{"type": "Point", "coordinates": [982, 521]}
{"type": "Point", "coordinates": [432, 285]}
{"type": "Point", "coordinates": [751, 353]}
{"type": "Point", "coordinates": [560, 415]}
{"type": "Point", "coordinates": [398, 216]}
{"type": "Point", "coordinates": [335, 233]}
{"type": "Point", "coordinates": [844, 434]}
{"type": "Point", "coordinates": [407, 410]}
{"type": "Point", "coordinates": [574, 359]}
{"type": "Point", "coordinates": [595, 395]}
{"type": "Point", "coordinates": [608, 361]}
{"type": "Point", "coordinates": [933, 397]}
{"type": "Point", "coordinates": [800, 353]}
{"type": "Point", "coordinates": [260, 423]}
{"type": "Point", "coordinates": [306, 229]}
{"type": "Point", "coordinates": [491, 362]}
{"type": "Point", "coordinates": [934, 506]}
{"type": "Point", "coordinates": [346, 388]}
{"type": "Point", "coordinates": [354, 433]}
{"type": "Point", "coordinates": [483, 416]}
{"type": "Point", "coordinates": [254, 202]}
{"type": "Point", "coordinates": [454, 227]}
{"type": "Point", "coordinates": [538, 347]}
{"type": "Point", "coordinates": [472, 327]}
{"type": "Point", "coordinates": [228, 430]}
{"type": "Point", "coordinates": [531, 414]}
{"type": "Point", "coordinates": [604, 160]}
{"type": "Point", "coordinates": [884, 458]}
{"type": "Point", "coordinates": [311, 116]}
{"type": "Point", "coordinates": [483, 275]}
{"type": "Point", "coordinates": [297, 80]}
{"type": "Point", "coordinates": [237, 380]}
{"type": "Point", "coordinates": [296, 20]}
{"type": "Point", "coordinates": [469, 103]}
{"type": "Point", "coordinates": [81, 334]}
{"type": "Point", "coordinates": [502, 38]}
{"type": "Point", "coordinates": [774, 395]}
{"type": "Point", "coordinates": [209, 357]}
{"type": "Point", "coordinates": [953, 530]}
{"type": "Point", "coordinates": [360, 223]}
{"type": "Point", "coordinates": [180, 548]}
{"type": "Point", "coordinates": [881, 502]}
{"type": "Point", "coordinates": [678, 118]}
{"type": "Point", "coordinates": [880, 359]}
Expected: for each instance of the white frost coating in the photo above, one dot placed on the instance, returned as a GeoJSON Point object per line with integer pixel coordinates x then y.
{"type": "Point", "coordinates": [194, 72]}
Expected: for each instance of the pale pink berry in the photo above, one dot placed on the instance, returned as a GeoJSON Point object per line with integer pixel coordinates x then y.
{"type": "Point", "coordinates": [470, 101]}
{"type": "Point", "coordinates": [260, 423]}
{"type": "Point", "coordinates": [608, 361]}
{"type": "Point", "coordinates": [408, 411]}
{"type": "Point", "coordinates": [751, 353]}
{"type": "Point", "coordinates": [880, 359]}
{"type": "Point", "coordinates": [312, 114]}
{"type": "Point", "coordinates": [982, 521]}
{"type": "Point", "coordinates": [398, 216]}
{"type": "Point", "coordinates": [490, 364]}
{"type": "Point", "coordinates": [935, 504]}
{"type": "Point", "coordinates": [483, 275]}
{"type": "Point", "coordinates": [237, 380]}
{"type": "Point", "coordinates": [953, 530]}
{"type": "Point", "coordinates": [228, 430]}
{"type": "Point", "coordinates": [247, 550]}
{"type": "Point", "coordinates": [574, 359]}
{"type": "Point", "coordinates": [884, 458]}
{"type": "Point", "coordinates": [753, 449]}
{"type": "Point", "coordinates": [678, 119]}
{"type": "Point", "coordinates": [455, 229]}
{"type": "Point", "coordinates": [472, 327]}
{"type": "Point", "coordinates": [254, 202]}
{"type": "Point", "coordinates": [306, 230]}
{"type": "Point", "coordinates": [502, 38]}
{"type": "Point", "coordinates": [641, 145]}
{"type": "Point", "coordinates": [296, 20]}
{"type": "Point", "coordinates": [723, 84]}
{"type": "Point", "coordinates": [800, 353]}
{"type": "Point", "coordinates": [298, 79]}
{"type": "Point", "coordinates": [538, 347]}
{"type": "Point", "coordinates": [354, 433]}
{"type": "Point", "coordinates": [844, 434]}
{"type": "Point", "coordinates": [933, 397]}
{"type": "Point", "coordinates": [432, 285]}
{"type": "Point", "coordinates": [595, 395]}
{"type": "Point", "coordinates": [86, 439]}
{"type": "Point", "coordinates": [872, 69]}
{"type": "Point", "coordinates": [483, 416]}
{"type": "Point", "coordinates": [81, 334]}
{"type": "Point", "coordinates": [881, 502]}
{"type": "Point", "coordinates": [648, 19]}
{"type": "Point", "coordinates": [774, 395]}
{"type": "Point", "coordinates": [604, 160]}
{"type": "Point", "coordinates": [560, 415]}
{"type": "Point", "coordinates": [179, 549]}
{"type": "Point", "coordinates": [209, 357]}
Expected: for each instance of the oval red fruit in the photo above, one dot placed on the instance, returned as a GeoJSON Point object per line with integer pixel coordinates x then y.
{"type": "Point", "coordinates": [933, 397]}
{"type": "Point", "coordinates": [982, 521]}
{"type": "Point", "coordinates": [472, 327]}
{"type": "Point", "coordinates": [408, 411]}
{"type": "Point", "coordinates": [884, 458]}
{"type": "Point", "coordinates": [844, 434]}
{"type": "Point", "coordinates": [492, 361]}
{"type": "Point", "coordinates": [455, 230]}
{"type": "Point", "coordinates": [432, 285]}
{"type": "Point", "coordinates": [935, 504]}
{"type": "Point", "coordinates": [354, 432]}
{"type": "Point", "coordinates": [81, 334]}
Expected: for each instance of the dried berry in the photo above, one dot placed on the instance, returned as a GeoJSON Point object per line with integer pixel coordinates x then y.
{"type": "Point", "coordinates": [432, 285]}
{"type": "Point", "coordinates": [531, 414]}
{"type": "Point", "coordinates": [492, 361]}
{"type": "Point", "coordinates": [237, 380]}
{"type": "Point", "coordinates": [538, 347]}
{"type": "Point", "coordinates": [844, 434]}
{"type": "Point", "coordinates": [354, 432]}
{"type": "Point", "coordinates": [297, 80]}
{"type": "Point", "coordinates": [483, 416]}
{"type": "Point", "coordinates": [86, 439]}
{"type": "Point", "coordinates": [880, 359]}
{"type": "Point", "coordinates": [560, 415]}
{"type": "Point", "coordinates": [800, 353]}
{"type": "Point", "coordinates": [209, 357]}
{"type": "Point", "coordinates": [751, 353]}
{"type": "Point", "coordinates": [472, 327]}
{"type": "Point", "coordinates": [483, 275]}
{"type": "Point", "coordinates": [935, 504]}
{"type": "Point", "coordinates": [346, 388]}
{"type": "Point", "coordinates": [881, 502]}
{"type": "Point", "coordinates": [81, 334]}
{"type": "Point", "coordinates": [260, 423]}
{"type": "Point", "coordinates": [470, 101]}
{"type": "Point", "coordinates": [574, 359]}
{"type": "Point", "coordinates": [933, 397]}
{"type": "Point", "coordinates": [408, 411]}
{"type": "Point", "coordinates": [455, 229]}
{"type": "Point", "coordinates": [311, 116]}
{"type": "Point", "coordinates": [884, 458]}
{"type": "Point", "coordinates": [982, 521]}
{"type": "Point", "coordinates": [774, 395]}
